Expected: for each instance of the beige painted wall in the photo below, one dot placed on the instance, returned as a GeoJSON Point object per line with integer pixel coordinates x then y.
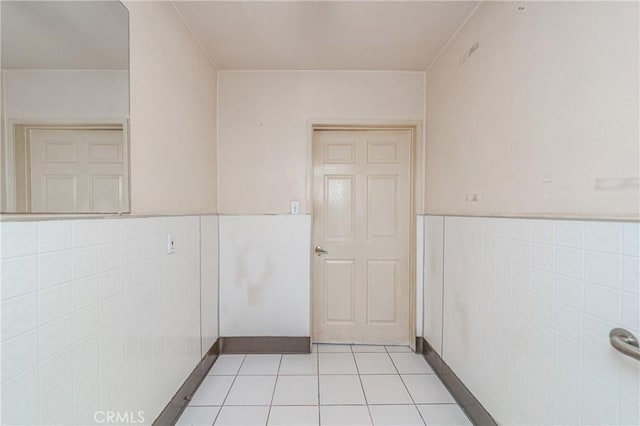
{"type": "Point", "coordinates": [264, 123]}
{"type": "Point", "coordinates": [542, 119]}
{"type": "Point", "coordinates": [173, 115]}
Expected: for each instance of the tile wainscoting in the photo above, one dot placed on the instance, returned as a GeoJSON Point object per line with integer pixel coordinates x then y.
{"type": "Point", "coordinates": [265, 282]}
{"type": "Point", "coordinates": [96, 316]}
{"type": "Point", "coordinates": [521, 309]}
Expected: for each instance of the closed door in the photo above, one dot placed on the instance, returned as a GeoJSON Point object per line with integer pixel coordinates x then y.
{"type": "Point", "coordinates": [361, 219]}
{"type": "Point", "coordinates": [77, 170]}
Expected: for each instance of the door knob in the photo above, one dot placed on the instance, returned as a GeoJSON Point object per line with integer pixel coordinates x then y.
{"type": "Point", "coordinates": [320, 251]}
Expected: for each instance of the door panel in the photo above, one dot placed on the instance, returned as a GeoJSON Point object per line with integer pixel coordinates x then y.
{"type": "Point", "coordinates": [60, 192]}
{"type": "Point", "coordinates": [77, 170]}
{"type": "Point", "coordinates": [339, 204]}
{"type": "Point", "coordinates": [381, 209]}
{"type": "Point", "coordinates": [362, 216]}
{"type": "Point", "coordinates": [104, 193]}
{"type": "Point", "coordinates": [381, 291]}
{"type": "Point", "coordinates": [339, 286]}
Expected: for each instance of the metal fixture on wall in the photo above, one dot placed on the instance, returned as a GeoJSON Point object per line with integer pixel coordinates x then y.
{"type": "Point", "coordinates": [625, 342]}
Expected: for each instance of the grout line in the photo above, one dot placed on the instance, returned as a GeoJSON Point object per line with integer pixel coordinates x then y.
{"type": "Point", "coordinates": [275, 385]}
{"type": "Point", "coordinates": [406, 388]}
{"type": "Point", "coordinates": [364, 394]}
{"type": "Point", "coordinates": [229, 391]}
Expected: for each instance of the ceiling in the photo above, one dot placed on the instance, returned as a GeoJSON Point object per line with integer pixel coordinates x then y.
{"type": "Point", "coordinates": [65, 35]}
{"type": "Point", "coordinates": [324, 35]}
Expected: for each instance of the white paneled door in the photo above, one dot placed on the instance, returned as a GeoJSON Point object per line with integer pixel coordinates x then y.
{"type": "Point", "coordinates": [362, 216]}
{"type": "Point", "coordinates": [77, 170]}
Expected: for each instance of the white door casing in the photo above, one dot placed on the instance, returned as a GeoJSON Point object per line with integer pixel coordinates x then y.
{"type": "Point", "coordinates": [77, 170]}
{"type": "Point", "coordinates": [362, 218]}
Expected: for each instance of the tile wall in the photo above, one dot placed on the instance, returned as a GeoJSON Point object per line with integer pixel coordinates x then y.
{"type": "Point", "coordinates": [528, 305]}
{"type": "Point", "coordinates": [97, 316]}
{"type": "Point", "coordinates": [265, 281]}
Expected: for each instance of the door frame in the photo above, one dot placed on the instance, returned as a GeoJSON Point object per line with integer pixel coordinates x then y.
{"type": "Point", "coordinates": [416, 203]}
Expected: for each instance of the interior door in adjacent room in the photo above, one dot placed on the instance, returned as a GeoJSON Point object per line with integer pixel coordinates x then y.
{"type": "Point", "coordinates": [77, 170]}
{"type": "Point", "coordinates": [362, 236]}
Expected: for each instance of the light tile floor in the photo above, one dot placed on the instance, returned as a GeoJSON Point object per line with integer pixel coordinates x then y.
{"type": "Point", "coordinates": [334, 385]}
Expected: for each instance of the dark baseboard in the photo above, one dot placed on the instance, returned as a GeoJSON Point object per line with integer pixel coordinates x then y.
{"type": "Point", "coordinates": [181, 399]}
{"type": "Point", "coordinates": [265, 345]}
{"type": "Point", "coordinates": [469, 403]}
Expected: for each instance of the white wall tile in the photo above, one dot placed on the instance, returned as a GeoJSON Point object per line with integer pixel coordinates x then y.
{"type": "Point", "coordinates": [542, 283]}
{"type": "Point", "coordinates": [109, 231]}
{"type": "Point", "coordinates": [521, 229]}
{"type": "Point", "coordinates": [209, 280]}
{"type": "Point", "coordinates": [55, 303]}
{"type": "Point", "coordinates": [129, 252]}
{"type": "Point", "coordinates": [602, 302]}
{"type": "Point", "coordinates": [108, 310]}
{"type": "Point", "coordinates": [419, 275]}
{"type": "Point", "coordinates": [55, 268]}
{"type": "Point", "coordinates": [569, 262]}
{"type": "Point", "coordinates": [566, 409]}
{"type": "Point", "coordinates": [596, 331]}
{"type": "Point", "coordinates": [109, 283]}
{"type": "Point", "coordinates": [433, 279]}
{"type": "Point", "coordinates": [542, 310]}
{"type": "Point", "coordinates": [86, 381]}
{"type": "Point", "coordinates": [84, 233]}
{"type": "Point", "coordinates": [630, 311]}
{"type": "Point", "coordinates": [18, 238]}
{"type": "Point", "coordinates": [129, 229]}
{"type": "Point", "coordinates": [54, 235]}
{"type": "Point", "coordinates": [19, 393]}
{"type": "Point", "coordinates": [86, 353]}
{"type": "Point", "coordinates": [604, 236]}
{"type": "Point", "coordinates": [629, 378]}
{"type": "Point", "coordinates": [84, 292]}
{"type": "Point", "coordinates": [28, 416]}
{"type": "Point", "coordinates": [56, 405]}
{"type": "Point", "coordinates": [631, 239]}
{"type": "Point", "coordinates": [542, 256]}
{"type": "Point", "coordinates": [84, 261]}
{"type": "Point", "coordinates": [603, 268]}
{"type": "Point", "coordinates": [90, 311]}
{"type": "Point", "coordinates": [19, 354]}
{"type": "Point", "coordinates": [569, 233]}
{"type": "Point", "coordinates": [254, 304]}
{"type": "Point", "coordinates": [19, 276]}
{"type": "Point", "coordinates": [19, 315]}
{"type": "Point", "coordinates": [54, 337]}
{"type": "Point", "coordinates": [542, 231]}
{"type": "Point", "coordinates": [567, 320]}
{"type": "Point", "coordinates": [602, 367]}
{"type": "Point", "coordinates": [569, 291]}
{"type": "Point", "coordinates": [629, 413]}
{"type": "Point", "coordinates": [600, 401]}
{"type": "Point", "coordinates": [55, 370]}
{"type": "Point", "coordinates": [631, 274]}
{"type": "Point", "coordinates": [109, 257]}
{"type": "Point", "coordinates": [552, 338]}
{"type": "Point", "coordinates": [521, 252]}
{"type": "Point", "coordinates": [521, 276]}
{"type": "Point", "coordinates": [85, 322]}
